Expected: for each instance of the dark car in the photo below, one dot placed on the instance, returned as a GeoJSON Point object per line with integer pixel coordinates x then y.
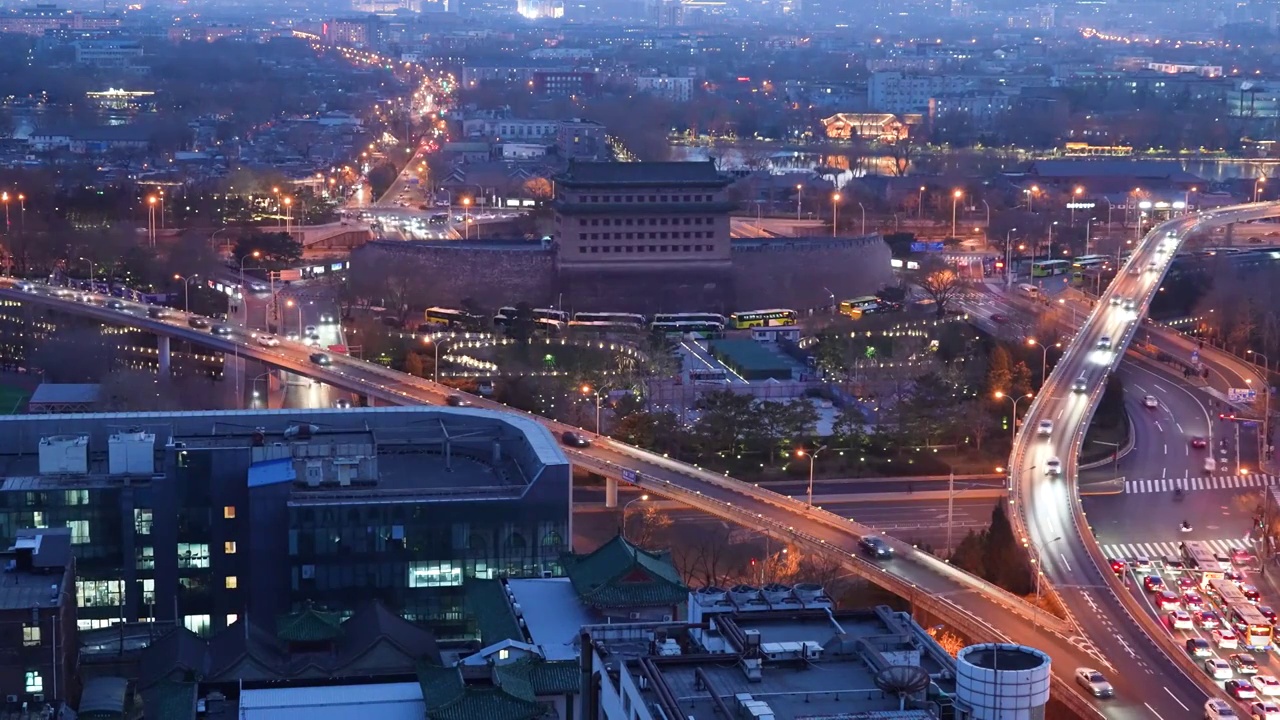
{"type": "Point", "coordinates": [1198, 647]}
{"type": "Point", "coordinates": [1268, 613]}
{"type": "Point", "coordinates": [321, 359]}
{"type": "Point", "coordinates": [998, 318]}
{"type": "Point", "coordinates": [198, 323]}
{"type": "Point", "coordinates": [1244, 663]}
{"type": "Point", "coordinates": [157, 313]}
{"type": "Point", "coordinates": [573, 439]}
{"type": "Point", "coordinates": [457, 401]}
{"type": "Point", "coordinates": [1240, 689]}
{"type": "Point", "coordinates": [1117, 566]}
{"type": "Point", "coordinates": [1198, 442]}
{"type": "Point", "coordinates": [114, 304]}
{"type": "Point", "coordinates": [223, 330]}
{"type": "Point", "coordinates": [876, 548]}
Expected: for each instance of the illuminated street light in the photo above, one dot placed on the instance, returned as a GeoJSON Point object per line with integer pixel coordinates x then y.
{"type": "Point", "coordinates": [1013, 424]}
{"type": "Point", "coordinates": [955, 201]}
{"type": "Point", "coordinates": [812, 455]}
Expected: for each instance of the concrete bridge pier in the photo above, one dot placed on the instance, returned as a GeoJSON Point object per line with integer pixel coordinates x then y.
{"type": "Point", "coordinates": [611, 492]}
{"type": "Point", "coordinates": [163, 354]}
{"type": "Point", "coordinates": [363, 400]}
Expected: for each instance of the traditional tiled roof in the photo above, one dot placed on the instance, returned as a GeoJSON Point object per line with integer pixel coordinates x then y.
{"type": "Point", "coordinates": [702, 173]}
{"type": "Point", "coordinates": [619, 575]}
{"type": "Point", "coordinates": [488, 602]}
{"type": "Point", "coordinates": [170, 700]}
{"type": "Point", "coordinates": [447, 697]}
{"type": "Point", "coordinates": [555, 678]}
{"type": "Point", "coordinates": [309, 625]}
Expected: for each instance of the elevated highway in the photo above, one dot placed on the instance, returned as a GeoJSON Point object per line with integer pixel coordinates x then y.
{"type": "Point", "coordinates": [1157, 673]}
{"type": "Point", "coordinates": [975, 607]}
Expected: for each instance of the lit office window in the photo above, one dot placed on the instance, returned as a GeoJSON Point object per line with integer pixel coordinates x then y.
{"type": "Point", "coordinates": [30, 636]}
{"type": "Point", "coordinates": [229, 547]}
{"type": "Point", "coordinates": [230, 582]}
{"type": "Point", "coordinates": [228, 512]}
{"type": "Point", "coordinates": [35, 683]}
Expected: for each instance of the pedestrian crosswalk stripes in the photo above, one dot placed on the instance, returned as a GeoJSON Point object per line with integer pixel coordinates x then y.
{"type": "Point", "coordinates": [1158, 550]}
{"type": "Point", "coordinates": [1212, 482]}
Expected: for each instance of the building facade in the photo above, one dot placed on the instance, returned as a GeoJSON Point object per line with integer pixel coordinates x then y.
{"type": "Point", "coordinates": [641, 215]}
{"type": "Point", "coordinates": [675, 89]}
{"type": "Point", "coordinates": [201, 517]}
{"type": "Point", "coordinates": [40, 653]}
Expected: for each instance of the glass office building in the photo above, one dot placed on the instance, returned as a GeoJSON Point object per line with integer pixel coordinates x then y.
{"type": "Point", "coordinates": [204, 516]}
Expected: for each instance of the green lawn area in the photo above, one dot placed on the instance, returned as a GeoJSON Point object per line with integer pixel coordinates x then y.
{"type": "Point", "coordinates": [12, 400]}
{"type": "Point", "coordinates": [1104, 432]}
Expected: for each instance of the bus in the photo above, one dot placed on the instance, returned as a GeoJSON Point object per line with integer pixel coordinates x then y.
{"type": "Point", "coordinates": [538, 314]}
{"type": "Point", "coordinates": [1046, 268]}
{"type": "Point", "coordinates": [447, 317]}
{"type": "Point", "coordinates": [680, 327]}
{"type": "Point", "coordinates": [1085, 261]}
{"type": "Point", "coordinates": [610, 317]}
{"type": "Point", "coordinates": [1243, 615]}
{"type": "Point", "coordinates": [762, 318]}
{"type": "Point", "coordinates": [714, 318]}
{"type": "Point", "coordinates": [604, 327]}
{"type": "Point", "coordinates": [859, 305]}
{"type": "Point", "coordinates": [1199, 558]}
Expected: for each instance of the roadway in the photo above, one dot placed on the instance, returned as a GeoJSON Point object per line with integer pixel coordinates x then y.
{"type": "Point", "coordinates": [1159, 678]}
{"type": "Point", "coordinates": [971, 605]}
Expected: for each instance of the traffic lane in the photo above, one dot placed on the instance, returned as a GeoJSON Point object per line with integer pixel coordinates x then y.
{"type": "Point", "coordinates": [1158, 517]}
{"type": "Point", "coordinates": [1181, 416]}
{"type": "Point", "coordinates": [904, 485]}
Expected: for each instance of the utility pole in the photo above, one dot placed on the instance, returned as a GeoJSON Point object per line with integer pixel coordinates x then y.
{"type": "Point", "coordinates": [951, 499]}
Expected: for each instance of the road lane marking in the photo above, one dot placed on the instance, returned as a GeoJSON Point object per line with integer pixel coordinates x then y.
{"type": "Point", "coordinates": [1064, 561]}
{"type": "Point", "coordinates": [1158, 426]}
{"type": "Point", "coordinates": [1175, 699]}
{"type": "Point", "coordinates": [1160, 387]}
{"type": "Point", "coordinates": [1177, 424]}
{"type": "Point", "coordinates": [1153, 711]}
{"type": "Point", "coordinates": [1166, 448]}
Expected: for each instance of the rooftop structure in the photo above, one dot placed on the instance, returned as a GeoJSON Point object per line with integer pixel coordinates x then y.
{"type": "Point", "coordinates": [275, 509]}
{"type": "Point", "coordinates": [777, 652]}
{"type": "Point", "coordinates": [38, 618]}
{"type": "Point", "coordinates": [63, 398]}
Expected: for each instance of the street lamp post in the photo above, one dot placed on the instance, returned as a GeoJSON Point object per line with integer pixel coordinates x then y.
{"type": "Point", "coordinates": [1049, 253]}
{"type": "Point", "coordinates": [622, 522]}
{"type": "Point", "coordinates": [288, 215]}
{"type": "Point", "coordinates": [812, 455]}
{"type": "Point", "coordinates": [955, 202]}
{"type": "Point", "coordinates": [466, 218]}
{"type": "Point", "coordinates": [1031, 197]}
{"type": "Point", "coordinates": [90, 272]}
{"type": "Point", "coordinates": [1013, 421]}
{"type": "Point", "coordinates": [835, 212]}
{"type": "Point", "coordinates": [22, 211]}
{"type": "Point", "coordinates": [1037, 562]}
{"type": "Point", "coordinates": [587, 390]}
{"type": "Point", "coordinates": [864, 217]}
{"type": "Point", "coordinates": [290, 303]}
{"type": "Point", "coordinates": [4, 198]}
{"type": "Point", "coordinates": [920, 204]}
{"type": "Point", "coordinates": [799, 197]}
{"type": "Point", "coordinates": [1257, 187]}
{"type": "Point", "coordinates": [151, 220]}
{"type": "Point", "coordinates": [266, 400]}
{"type": "Point", "coordinates": [987, 205]}
{"type": "Point", "coordinates": [1044, 357]}
{"type": "Point", "coordinates": [1008, 257]}
{"type": "Point", "coordinates": [186, 290]}
{"type": "Point", "coordinates": [435, 368]}
{"type": "Point", "coordinates": [255, 255]}
{"type": "Point", "coordinates": [1266, 390]}
{"type": "Point", "coordinates": [1075, 199]}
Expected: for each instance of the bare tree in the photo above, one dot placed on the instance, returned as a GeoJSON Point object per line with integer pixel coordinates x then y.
{"type": "Point", "coordinates": [941, 283]}
{"type": "Point", "coordinates": [647, 527]}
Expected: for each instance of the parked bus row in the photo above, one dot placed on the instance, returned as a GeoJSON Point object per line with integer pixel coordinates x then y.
{"type": "Point", "coordinates": [439, 317]}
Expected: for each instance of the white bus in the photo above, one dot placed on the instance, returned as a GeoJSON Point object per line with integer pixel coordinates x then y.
{"type": "Point", "coordinates": [610, 317]}
{"type": "Point", "coordinates": [690, 318]}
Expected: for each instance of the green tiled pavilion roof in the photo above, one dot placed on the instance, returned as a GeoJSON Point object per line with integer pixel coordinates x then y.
{"type": "Point", "coordinates": [619, 575]}
{"type": "Point", "coordinates": [488, 602]}
{"type": "Point", "coordinates": [448, 698]}
{"type": "Point", "coordinates": [309, 625]}
{"type": "Point", "coordinates": [555, 677]}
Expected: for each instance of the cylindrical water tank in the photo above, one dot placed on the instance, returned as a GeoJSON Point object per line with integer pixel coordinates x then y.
{"type": "Point", "coordinates": [1002, 682]}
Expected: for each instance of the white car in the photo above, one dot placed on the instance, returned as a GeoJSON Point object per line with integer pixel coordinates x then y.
{"type": "Point", "coordinates": [1045, 427]}
{"type": "Point", "coordinates": [1104, 342]}
{"type": "Point", "coordinates": [268, 340]}
{"type": "Point", "coordinates": [1263, 710]}
{"type": "Point", "coordinates": [1218, 709]}
{"type": "Point", "coordinates": [1150, 402]}
{"type": "Point", "coordinates": [1267, 685]}
{"type": "Point", "coordinates": [1225, 637]}
{"type": "Point", "coordinates": [1094, 683]}
{"type": "Point", "coordinates": [1053, 466]}
{"type": "Point", "coordinates": [1142, 564]}
{"type": "Point", "coordinates": [1218, 668]}
{"type": "Point", "coordinates": [1180, 620]}
{"type": "Point", "coordinates": [309, 330]}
